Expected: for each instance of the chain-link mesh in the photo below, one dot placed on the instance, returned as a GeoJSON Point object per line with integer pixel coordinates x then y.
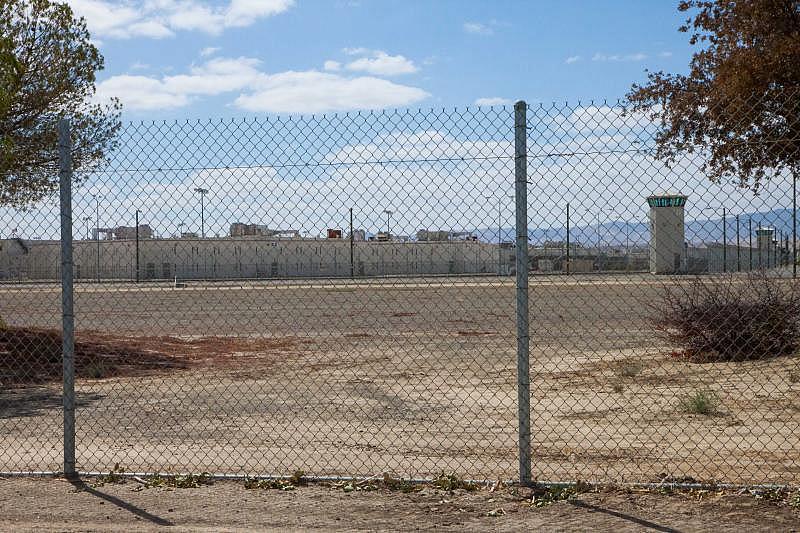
{"type": "Point", "coordinates": [336, 294]}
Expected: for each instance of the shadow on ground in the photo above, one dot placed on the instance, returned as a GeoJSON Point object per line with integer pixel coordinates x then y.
{"type": "Point", "coordinates": [34, 401]}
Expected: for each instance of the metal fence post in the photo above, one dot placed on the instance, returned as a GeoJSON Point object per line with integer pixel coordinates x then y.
{"type": "Point", "coordinates": [67, 314]}
{"type": "Point", "coordinates": [523, 363]}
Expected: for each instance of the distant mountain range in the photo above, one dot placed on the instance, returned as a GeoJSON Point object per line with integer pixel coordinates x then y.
{"type": "Point", "coordinates": [638, 233]}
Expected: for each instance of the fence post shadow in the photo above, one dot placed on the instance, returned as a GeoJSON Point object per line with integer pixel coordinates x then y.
{"type": "Point", "coordinates": [622, 516]}
{"type": "Point", "coordinates": [81, 485]}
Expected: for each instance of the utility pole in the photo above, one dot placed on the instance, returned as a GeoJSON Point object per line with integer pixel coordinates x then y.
{"type": "Point", "coordinates": [568, 239]}
{"type": "Point", "coordinates": [97, 223]}
{"type": "Point", "coordinates": [202, 193]}
{"type": "Point", "coordinates": [352, 237]}
{"type": "Point", "coordinates": [750, 233]}
{"type": "Point", "coordinates": [499, 239]}
{"type": "Point", "coordinates": [758, 243]}
{"type": "Point", "coordinates": [724, 240]}
{"type": "Point", "coordinates": [738, 250]}
{"type": "Point", "coordinates": [388, 223]}
{"type": "Point", "coordinates": [137, 246]}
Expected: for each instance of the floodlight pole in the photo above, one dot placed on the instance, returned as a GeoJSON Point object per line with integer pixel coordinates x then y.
{"type": "Point", "coordinates": [758, 243]}
{"type": "Point", "coordinates": [568, 239]}
{"type": "Point", "coordinates": [794, 224]}
{"type": "Point", "coordinates": [388, 223]}
{"type": "Point", "coordinates": [352, 255]}
{"type": "Point", "coordinates": [202, 193]}
{"type": "Point", "coordinates": [724, 239]}
{"type": "Point", "coordinates": [137, 246]}
{"type": "Point", "coordinates": [97, 226]}
{"type": "Point", "coordinates": [738, 250]}
{"type": "Point", "coordinates": [750, 237]}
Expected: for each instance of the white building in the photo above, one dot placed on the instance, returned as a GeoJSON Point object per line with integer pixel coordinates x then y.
{"type": "Point", "coordinates": [244, 257]}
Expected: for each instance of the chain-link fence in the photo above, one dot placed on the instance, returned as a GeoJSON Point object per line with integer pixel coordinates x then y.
{"type": "Point", "coordinates": [347, 295]}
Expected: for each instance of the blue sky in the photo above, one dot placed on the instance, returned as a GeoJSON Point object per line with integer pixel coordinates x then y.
{"type": "Point", "coordinates": [186, 58]}
{"type": "Point", "coordinates": [251, 59]}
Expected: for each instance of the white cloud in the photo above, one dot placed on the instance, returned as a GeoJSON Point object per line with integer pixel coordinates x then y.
{"type": "Point", "coordinates": [332, 65]}
{"type": "Point", "coordinates": [494, 100]}
{"type": "Point", "coordinates": [665, 54]}
{"type": "Point", "coordinates": [639, 56]}
{"type": "Point", "coordinates": [209, 51]}
{"type": "Point", "coordinates": [359, 51]}
{"type": "Point", "coordinates": [314, 92]}
{"type": "Point", "coordinates": [380, 63]}
{"type": "Point", "coordinates": [138, 65]}
{"type": "Point", "coordinates": [286, 92]}
{"type": "Point", "coordinates": [158, 19]}
{"type": "Point", "coordinates": [476, 28]}
{"type": "Point", "coordinates": [572, 59]}
{"type": "Point", "coordinates": [140, 92]}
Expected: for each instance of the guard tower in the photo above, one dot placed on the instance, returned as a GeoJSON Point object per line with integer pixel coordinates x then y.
{"type": "Point", "coordinates": [667, 233]}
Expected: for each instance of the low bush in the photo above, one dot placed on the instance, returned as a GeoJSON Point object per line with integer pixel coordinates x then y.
{"type": "Point", "coordinates": [700, 403]}
{"type": "Point", "coordinates": [731, 319]}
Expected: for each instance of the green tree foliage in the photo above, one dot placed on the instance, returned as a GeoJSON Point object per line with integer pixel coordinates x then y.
{"type": "Point", "coordinates": [740, 101]}
{"type": "Point", "coordinates": [47, 71]}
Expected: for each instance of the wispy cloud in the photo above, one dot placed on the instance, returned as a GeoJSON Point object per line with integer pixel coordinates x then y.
{"type": "Point", "coordinates": [255, 90]}
{"type": "Point", "coordinates": [477, 28]}
{"type": "Point", "coordinates": [163, 18]}
{"type": "Point", "coordinates": [332, 66]}
{"type": "Point", "coordinates": [572, 59]}
{"type": "Point", "coordinates": [209, 51]}
{"type": "Point", "coordinates": [492, 100]}
{"type": "Point", "coordinates": [665, 54]}
{"type": "Point", "coordinates": [639, 56]}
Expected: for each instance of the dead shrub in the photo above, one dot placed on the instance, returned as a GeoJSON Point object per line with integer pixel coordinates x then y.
{"type": "Point", "coordinates": [731, 319]}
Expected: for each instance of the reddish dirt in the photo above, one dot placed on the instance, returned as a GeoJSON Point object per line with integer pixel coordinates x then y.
{"type": "Point", "coordinates": [33, 355]}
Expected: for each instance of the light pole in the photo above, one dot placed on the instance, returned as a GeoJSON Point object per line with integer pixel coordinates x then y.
{"type": "Point", "coordinates": [499, 235]}
{"type": "Point", "coordinates": [597, 228]}
{"type": "Point", "coordinates": [567, 239]}
{"type": "Point", "coordinates": [137, 246]}
{"type": "Point", "coordinates": [352, 240]}
{"type": "Point", "coordinates": [724, 235]}
{"type": "Point", "coordinates": [180, 229]}
{"type": "Point", "coordinates": [388, 223]}
{"type": "Point", "coordinates": [738, 249]}
{"type": "Point", "coordinates": [97, 222]}
{"type": "Point", "coordinates": [794, 224]}
{"type": "Point", "coordinates": [202, 193]}
{"type": "Point", "coordinates": [86, 220]}
{"type": "Point", "coordinates": [750, 241]}
{"type": "Point", "coordinates": [499, 232]}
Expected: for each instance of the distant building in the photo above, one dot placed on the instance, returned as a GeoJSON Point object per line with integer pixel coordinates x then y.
{"type": "Point", "coordinates": [240, 229]}
{"type": "Point", "coordinates": [438, 235]}
{"type": "Point", "coordinates": [359, 235]}
{"type": "Point", "coordinates": [122, 233]}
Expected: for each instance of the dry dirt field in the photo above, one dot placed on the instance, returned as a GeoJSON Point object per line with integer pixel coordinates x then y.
{"type": "Point", "coordinates": [57, 505]}
{"type": "Point", "coordinates": [411, 377]}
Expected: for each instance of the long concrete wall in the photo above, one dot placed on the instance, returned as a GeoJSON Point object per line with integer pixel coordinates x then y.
{"type": "Point", "coordinates": [735, 259]}
{"type": "Point", "coordinates": [232, 258]}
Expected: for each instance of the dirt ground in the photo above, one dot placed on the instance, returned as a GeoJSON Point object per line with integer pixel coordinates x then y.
{"type": "Point", "coordinates": [411, 377]}
{"type": "Point", "coordinates": [58, 505]}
